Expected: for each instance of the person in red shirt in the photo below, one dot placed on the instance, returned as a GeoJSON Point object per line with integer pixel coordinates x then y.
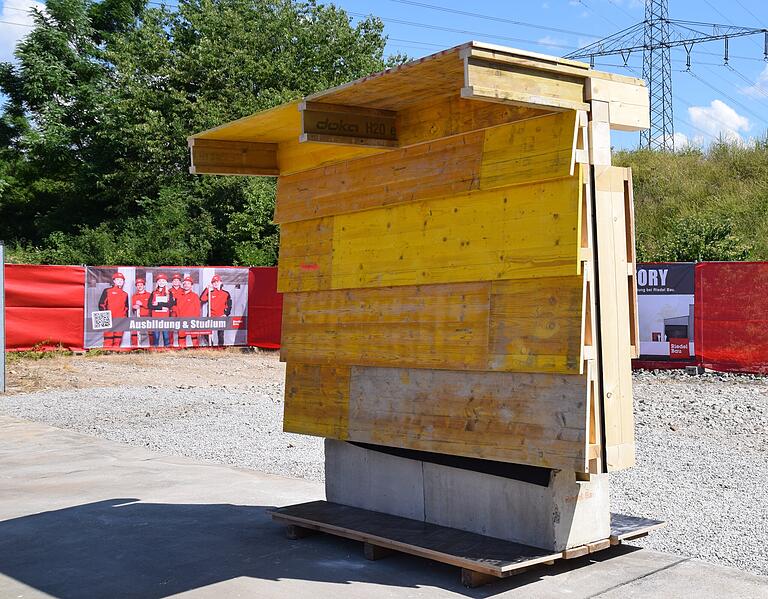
{"type": "Point", "coordinates": [220, 303]}
{"type": "Point", "coordinates": [115, 300]}
{"type": "Point", "coordinates": [140, 305]}
{"type": "Point", "coordinates": [160, 305]}
{"type": "Point", "coordinates": [188, 306]}
{"type": "Point", "coordinates": [176, 292]}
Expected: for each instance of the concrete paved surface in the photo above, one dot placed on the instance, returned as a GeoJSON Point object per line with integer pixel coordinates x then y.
{"type": "Point", "coordinates": [84, 517]}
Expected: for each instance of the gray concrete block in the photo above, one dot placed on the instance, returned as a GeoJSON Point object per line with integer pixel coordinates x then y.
{"type": "Point", "coordinates": [373, 480]}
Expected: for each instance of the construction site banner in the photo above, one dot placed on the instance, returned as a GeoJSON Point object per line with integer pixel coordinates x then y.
{"type": "Point", "coordinates": [665, 302]}
{"type": "Point", "coordinates": [732, 315]}
{"type": "Point", "coordinates": [130, 307]}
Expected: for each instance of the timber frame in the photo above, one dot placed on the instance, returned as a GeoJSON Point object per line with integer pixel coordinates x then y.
{"type": "Point", "coordinates": [449, 132]}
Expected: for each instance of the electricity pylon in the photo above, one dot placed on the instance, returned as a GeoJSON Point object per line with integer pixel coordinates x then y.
{"type": "Point", "coordinates": [656, 36]}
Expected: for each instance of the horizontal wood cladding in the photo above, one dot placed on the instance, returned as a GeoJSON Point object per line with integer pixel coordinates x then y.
{"type": "Point", "coordinates": [515, 153]}
{"type": "Point", "coordinates": [524, 326]}
{"type": "Point", "coordinates": [317, 400]}
{"type": "Point", "coordinates": [515, 84]}
{"type": "Point", "coordinates": [515, 232]}
{"type": "Point", "coordinates": [429, 170]}
{"type": "Point", "coordinates": [216, 157]}
{"type": "Point", "coordinates": [532, 419]}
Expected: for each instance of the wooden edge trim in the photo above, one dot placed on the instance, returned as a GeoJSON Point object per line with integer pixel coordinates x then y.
{"type": "Point", "coordinates": [342, 108]}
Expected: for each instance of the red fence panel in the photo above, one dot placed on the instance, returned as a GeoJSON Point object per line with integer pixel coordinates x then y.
{"type": "Point", "coordinates": [44, 306]}
{"type": "Point", "coordinates": [731, 318]}
{"type": "Point", "coordinates": [265, 308]}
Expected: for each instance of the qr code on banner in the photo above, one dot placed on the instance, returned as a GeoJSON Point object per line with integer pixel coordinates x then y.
{"type": "Point", "coordinates": [101, 320]}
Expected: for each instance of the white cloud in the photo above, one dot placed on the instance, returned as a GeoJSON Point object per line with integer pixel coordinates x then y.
{"type": "Point", "coordinates": [718, 119]}
{"type": "Point", "coordinates": [681, 141]}
{"type": "Point", "coordinates": [17, 12]}
{"type": "Point", "coordinates": [551, 42]}
{"type": "Point", "coordinates": [760, 88]}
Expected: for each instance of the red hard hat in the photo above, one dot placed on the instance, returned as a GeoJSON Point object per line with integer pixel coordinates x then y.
{"type": "Point", "coordinates": [118, 275]}
{"type": "Point", "coordinates": [176, 275]}
{"type": "Point", "coordinates": [215, 278]}
{"type": "Point", "coordinates": [188, 278]}
{"type": "Point", "coordinates": [161, 276]}
{"type": "Point", "coordinates": [140, 280]}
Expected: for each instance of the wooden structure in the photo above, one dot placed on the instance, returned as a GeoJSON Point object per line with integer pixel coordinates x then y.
{"type": "Point", "coordinates": [457, 256]}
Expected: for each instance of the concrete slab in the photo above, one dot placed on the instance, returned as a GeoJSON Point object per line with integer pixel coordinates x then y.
{"type": "Point", "coordinates": [85, 517]}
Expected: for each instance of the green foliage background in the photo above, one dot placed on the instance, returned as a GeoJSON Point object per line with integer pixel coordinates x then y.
{"type": "Point", "coordinates": [102, 96]}
{"type": "Point", "coordinates": [93, 152]}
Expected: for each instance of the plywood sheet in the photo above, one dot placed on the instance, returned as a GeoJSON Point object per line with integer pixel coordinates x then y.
{"type": "Point", "coordinates": [525, 326]}
{"type": "Point", "coordinates": [537, 419]}
{"type": "Point", "coordinates": [519, 232]}
{"type": "Point", "coordinates": [435, 169]}
{"type": "Point", "coordinates": [317, 400]}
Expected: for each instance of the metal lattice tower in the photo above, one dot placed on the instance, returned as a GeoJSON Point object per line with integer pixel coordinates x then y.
{"type": "Point", "coordinates": [657, 71]}
{"type": "Point", "coordinates": [655, 37]}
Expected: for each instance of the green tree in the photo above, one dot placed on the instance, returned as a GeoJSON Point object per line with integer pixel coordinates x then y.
{"type": "Point", "coordinates": [93, 161]}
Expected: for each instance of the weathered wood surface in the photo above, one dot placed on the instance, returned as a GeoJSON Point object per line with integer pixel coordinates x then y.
{"type": "Point", "coordinates": [334, 123]}
{"type": "Point", "coordinates": [532, 150]}
{"type": "Point", "coordinates": [625, 527]}
{"type": "Point", "coordinates": [447, 545]}
{"type": "Point", "coordinates": [215, 157]}
{"type": "Point", "coordinates": [516, 232]}
{"type": "Point", "coordinates": [530, 325]}
{"type": "Point", "coordinates": [512, 417]}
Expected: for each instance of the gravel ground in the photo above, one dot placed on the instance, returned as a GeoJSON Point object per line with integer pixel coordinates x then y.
{"type": "Point", "coordinates": [702, 448]}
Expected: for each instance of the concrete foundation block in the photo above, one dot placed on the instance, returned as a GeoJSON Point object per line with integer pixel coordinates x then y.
{"type": "Point", "coordinates": [373, 480]}
{"type": "Point", "coordinates": [566, 513]}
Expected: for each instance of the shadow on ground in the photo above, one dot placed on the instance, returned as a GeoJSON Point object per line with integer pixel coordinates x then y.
{"type": "Point", "coordinates": [126, 548]}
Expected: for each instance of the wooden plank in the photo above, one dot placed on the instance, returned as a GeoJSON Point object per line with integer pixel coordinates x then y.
{"type": "Point", "coordinates": [333, 123]}
{"type": "Point", "coordinates": [317, 400]}
{"type": "Point", "coordinates": [628, 103]}
{"type": "Point", "coordinates": [447, 115]}
{"type": "Point", "coordinates": [536, 149]}
{"type": "Point", "coordinates": [217, 157]}
{"type": "Point", "coordinates": [498, 82]}
{"type": "Point", "coordinates": [624, 528]}
{"type": "Point", "coordinates": [439, 543]}
{"type": "Point", "coordinates": [535, 419]}
{"type": "Point", "coordinates": [294, 156]}
{"type": "Point", "coordinates": [510, 233]}
{"type": "Point", "coordinates": [306, 254]}
{"type": "Point", "coordinates": [375, 552]}
{"type": "Point", "coordinates": [434, 326]}
{"type": "Point", "coordinates": [575, 552]}
{"type": "Point", "coordinates": [616, 369]}
{"type": "Point", "coordinates": [524, 326]}
{"type": "Point", "coordinates": [435, 169]}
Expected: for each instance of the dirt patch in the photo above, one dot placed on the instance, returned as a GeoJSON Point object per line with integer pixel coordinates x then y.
{"type": "Point", "coordinates": [180, 369]}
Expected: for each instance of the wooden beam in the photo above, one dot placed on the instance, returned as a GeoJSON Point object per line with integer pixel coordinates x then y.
{"type": "Point", "coordinates": [348, 125]}
{"type": "Point", "coordinates": [219, 157]}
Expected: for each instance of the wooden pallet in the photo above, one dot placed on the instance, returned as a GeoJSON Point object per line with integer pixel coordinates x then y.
{"type": "Point", "coordinates": [481, 559]}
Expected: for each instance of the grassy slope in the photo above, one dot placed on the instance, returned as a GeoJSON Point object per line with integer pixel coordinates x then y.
{"type": "Point", "coordinates": [725, 183]}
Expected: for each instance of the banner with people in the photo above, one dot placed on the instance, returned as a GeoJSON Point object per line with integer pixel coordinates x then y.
{"type": "Point", "coordinates": [131, 307]}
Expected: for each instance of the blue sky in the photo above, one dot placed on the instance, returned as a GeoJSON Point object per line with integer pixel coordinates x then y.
{"type": "Point", "coordinates": [711, 100]}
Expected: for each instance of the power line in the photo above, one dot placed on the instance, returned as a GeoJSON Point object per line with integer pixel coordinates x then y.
{"type": "Point", "coordinates": [491, 18]}
{"type": "Point", "coordinates": [748, 11]}
{"type": "Point", "coordinates": [462, 31]}
{"type": "Point", "coordinates": [727, 96]}
{"type": "Point", "coordinates": [18, 24]}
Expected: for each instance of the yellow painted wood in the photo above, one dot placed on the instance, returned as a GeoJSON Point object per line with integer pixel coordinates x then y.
{"type": "Point", "coordinates": [509, 233]}
{"type": "Point", "coordinates": [316, 400]}
{"type": "Point", "coordinates": [535, 419]}
{"type": "Point", "coordinates": [433, 169]}
{"type": "Point", "coordinates": [306, 251]}
{"type": "Point", "coordinates": [522, 326]}
{"type": "Point", "coordinates": [537, 149]}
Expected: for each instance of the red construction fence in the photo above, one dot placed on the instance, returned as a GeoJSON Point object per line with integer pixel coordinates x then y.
{"type": "Point", "coordinates": [712, 314]}
{"type": "Point", "coordinates": [46, 305]}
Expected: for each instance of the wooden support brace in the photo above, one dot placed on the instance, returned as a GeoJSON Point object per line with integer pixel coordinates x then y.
{"type": "Point", "coordinates": [575, 552]}
{"type": "Point", "coordinates": [294, 532]}
{"type": "Point", "coordinates": [217, 157]}
{"type": "Point", "coordinates": [349, 125]}
{"type": "Point", "coordinates": [376, 552]}
{"type": "Point", "coordinates": [473, 579]}
{"type": "Point", "coordinates": [599, 545]}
